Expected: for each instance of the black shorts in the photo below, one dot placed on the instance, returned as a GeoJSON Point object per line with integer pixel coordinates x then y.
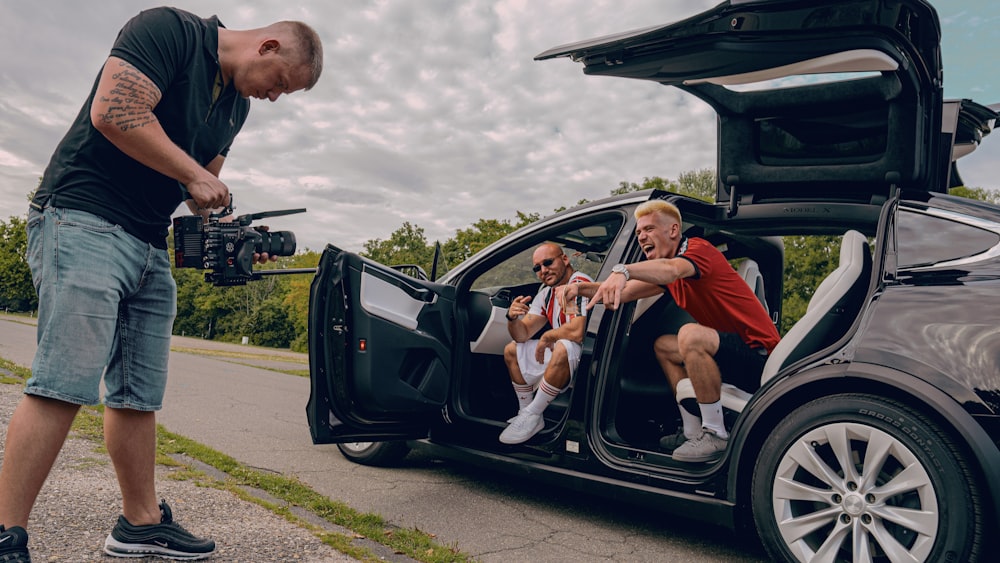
{"type": "Point", "coordinates": [739, 364]}
{"type": "Point", "coordinates": [663, 317]}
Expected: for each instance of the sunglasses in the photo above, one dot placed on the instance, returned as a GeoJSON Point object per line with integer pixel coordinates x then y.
{"type": "Point", "coordinates": [547, 263]}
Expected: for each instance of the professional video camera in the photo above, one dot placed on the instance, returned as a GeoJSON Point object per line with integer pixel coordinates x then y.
{"type": "Point", "coordinates": [227, 248]}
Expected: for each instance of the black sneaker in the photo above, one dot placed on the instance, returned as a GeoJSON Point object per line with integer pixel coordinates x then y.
{"type": "Point", "coordinates": [14, 545]}
{"type": "Point", "coordinates": [166, 539]}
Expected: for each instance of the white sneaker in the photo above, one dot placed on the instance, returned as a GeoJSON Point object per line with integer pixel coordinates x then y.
{"type": "Point", "coordinates": [513, 418]}
{"type": "Point", "coordinates": [673, 441]}
{"type": "Point", "coordinates": [525, 426]}
{"type": "Point", "coordinates": [705, 448]}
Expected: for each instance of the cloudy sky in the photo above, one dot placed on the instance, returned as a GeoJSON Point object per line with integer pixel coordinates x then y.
{"type": "Point", "coordinates": [428, 111]}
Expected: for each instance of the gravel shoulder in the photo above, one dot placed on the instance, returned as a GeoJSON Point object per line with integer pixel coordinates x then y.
{"type": "Point", "coordinates": [80, 503]}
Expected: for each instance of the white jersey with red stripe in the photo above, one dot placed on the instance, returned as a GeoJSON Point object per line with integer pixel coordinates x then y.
{"type": "Point", "coordinates": [545, 303]}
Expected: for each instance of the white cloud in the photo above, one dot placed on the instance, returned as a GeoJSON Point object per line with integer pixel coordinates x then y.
{"type": "Point", "coordinates": [13, 161]}
{"type": "Point", "coordinates": [432, 112]}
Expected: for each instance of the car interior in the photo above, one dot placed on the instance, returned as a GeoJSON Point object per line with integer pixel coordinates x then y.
{"type": "Point", "coordinates": [487, 395]}
{"type": "Point", "coordinates": [812, 142]}
{"type": "Point", "coordinates": [639, 406]}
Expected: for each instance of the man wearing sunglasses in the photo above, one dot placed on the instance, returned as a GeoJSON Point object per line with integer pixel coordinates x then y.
{"type": "Point", "coordinates": [540, 369]}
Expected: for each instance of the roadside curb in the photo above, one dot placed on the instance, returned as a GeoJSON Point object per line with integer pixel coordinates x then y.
{"type": "Point", "coordinates": [382, 552]}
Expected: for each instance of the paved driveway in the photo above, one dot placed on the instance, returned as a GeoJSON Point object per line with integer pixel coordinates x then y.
{"type": "Point", "coordinates": [257, 416]}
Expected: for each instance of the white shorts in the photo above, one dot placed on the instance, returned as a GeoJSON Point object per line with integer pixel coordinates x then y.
{"type": "Point", "coordinates": [532, 371]}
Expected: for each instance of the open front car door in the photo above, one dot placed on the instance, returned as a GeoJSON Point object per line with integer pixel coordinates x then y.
{"type": "Point", "coordinates": [380, 351]}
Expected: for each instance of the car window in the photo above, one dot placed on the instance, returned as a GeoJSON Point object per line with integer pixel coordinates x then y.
{"type": "Point", "coordinates": [586, 244]}
{"type": "Point", "coordinates": [513, 271]}
{"type": "Point", "coordinates": [925, 239]}
{"type": "Point", "coordinates": [809, 259]}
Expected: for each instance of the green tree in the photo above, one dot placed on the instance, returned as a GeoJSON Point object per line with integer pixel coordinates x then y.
{"type": "Point", "coordinates": [201, 307]}
{"type": "Point", "coordinates": [265, 321]}
{"type": "Point", "coordinates": [481, 234]}
{"type": "Point", "coordinates": [296, 300]}
{"type": "Point", "coordinates": [981, 194]}
{"type": "Point", "coordinates": [655, 182]}
{"type": "Point", "coordinates": [406, 245]}
{"type": "Point", "coordinates": [808, 259]}
{"type": "Point", "coordinates": [252, 310]}
{"type": "Point", "coordinates": [699, 184]}
{"type": "Point", "coordinates": [16, 290]}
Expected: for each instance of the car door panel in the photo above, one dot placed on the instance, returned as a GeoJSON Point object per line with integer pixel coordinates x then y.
{"type": "Point", "coordinates": [383, 299]}
{"type": "Point", "coordinates": [381, 350]}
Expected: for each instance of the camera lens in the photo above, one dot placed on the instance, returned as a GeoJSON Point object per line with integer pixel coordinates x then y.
{"type": "Point", "coordinates": [277, 243]}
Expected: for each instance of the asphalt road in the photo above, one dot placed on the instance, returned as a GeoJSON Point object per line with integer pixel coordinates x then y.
{"type": "Point", "coordinates": [257, 416]}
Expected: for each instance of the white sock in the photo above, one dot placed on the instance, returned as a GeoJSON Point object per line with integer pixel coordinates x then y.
{"type": "Point", "coordinates": [525, 393]}
{"type": "Point", "coordinates": [711, 418]}
{"type": "Point", "coordinates": [692, 424]}
{"type": "Point", "coordinates": [542, 398]}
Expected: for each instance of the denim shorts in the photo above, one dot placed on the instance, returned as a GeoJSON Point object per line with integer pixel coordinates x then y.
{"type": "Point", "coordinates": [106, 306]}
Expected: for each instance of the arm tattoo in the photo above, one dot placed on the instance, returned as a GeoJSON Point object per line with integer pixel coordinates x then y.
{"type": "Point", "coordinates": [130, 105]}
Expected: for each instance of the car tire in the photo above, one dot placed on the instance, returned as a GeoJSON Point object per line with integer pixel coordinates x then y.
{"type": "Point", "coordinates": [376, 454]}
{"type": "Point", "coordinates": [808, 508]}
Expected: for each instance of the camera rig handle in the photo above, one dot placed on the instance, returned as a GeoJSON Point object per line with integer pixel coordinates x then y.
{"type": "Point", "coordinates": [250, 217]}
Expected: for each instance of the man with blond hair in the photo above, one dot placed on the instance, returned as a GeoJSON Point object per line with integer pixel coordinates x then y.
{"type": "Point", "coordinates": [729, 340]}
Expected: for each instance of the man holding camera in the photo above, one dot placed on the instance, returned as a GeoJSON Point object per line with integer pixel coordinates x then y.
{"type": "Point", "coordinates": [159, 121]}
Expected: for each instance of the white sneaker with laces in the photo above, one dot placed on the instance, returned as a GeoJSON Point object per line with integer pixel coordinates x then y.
{"type": "Point", "coordinates": [707, 447]}
{"type": "Point", "coordinates": [524, 426]}
{"type": "Point", "coordinates": [673, 441]}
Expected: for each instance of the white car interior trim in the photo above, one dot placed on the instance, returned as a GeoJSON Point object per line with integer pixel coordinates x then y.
{"type": "Point", "coordinates": [386, 301]}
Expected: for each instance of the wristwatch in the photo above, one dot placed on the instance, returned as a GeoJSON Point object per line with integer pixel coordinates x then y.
{"type": "Point", "coordinates": [620, 269]}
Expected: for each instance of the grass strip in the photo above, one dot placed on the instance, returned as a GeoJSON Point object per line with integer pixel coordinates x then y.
{"type": "Point", "coordinates": [249, 356]}
{"type": "Point", "coordinates": [413, 543]}
{"type": "Point", "coordinates": [240, 355]}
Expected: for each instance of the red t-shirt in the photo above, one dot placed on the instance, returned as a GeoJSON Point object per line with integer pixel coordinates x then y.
{"type": "Point", "coordinates": [717, 297]}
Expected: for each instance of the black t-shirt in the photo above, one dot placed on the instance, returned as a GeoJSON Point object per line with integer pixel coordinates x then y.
{"type": "Point", "coordinates": [178, 51]}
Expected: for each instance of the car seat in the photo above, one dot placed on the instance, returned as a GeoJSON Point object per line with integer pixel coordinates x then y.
{"type": "Point", "coordinates": [749, 270]}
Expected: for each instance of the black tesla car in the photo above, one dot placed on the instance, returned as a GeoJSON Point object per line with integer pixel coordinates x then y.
{"type": "Point", "coordinates": [875, 434]}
